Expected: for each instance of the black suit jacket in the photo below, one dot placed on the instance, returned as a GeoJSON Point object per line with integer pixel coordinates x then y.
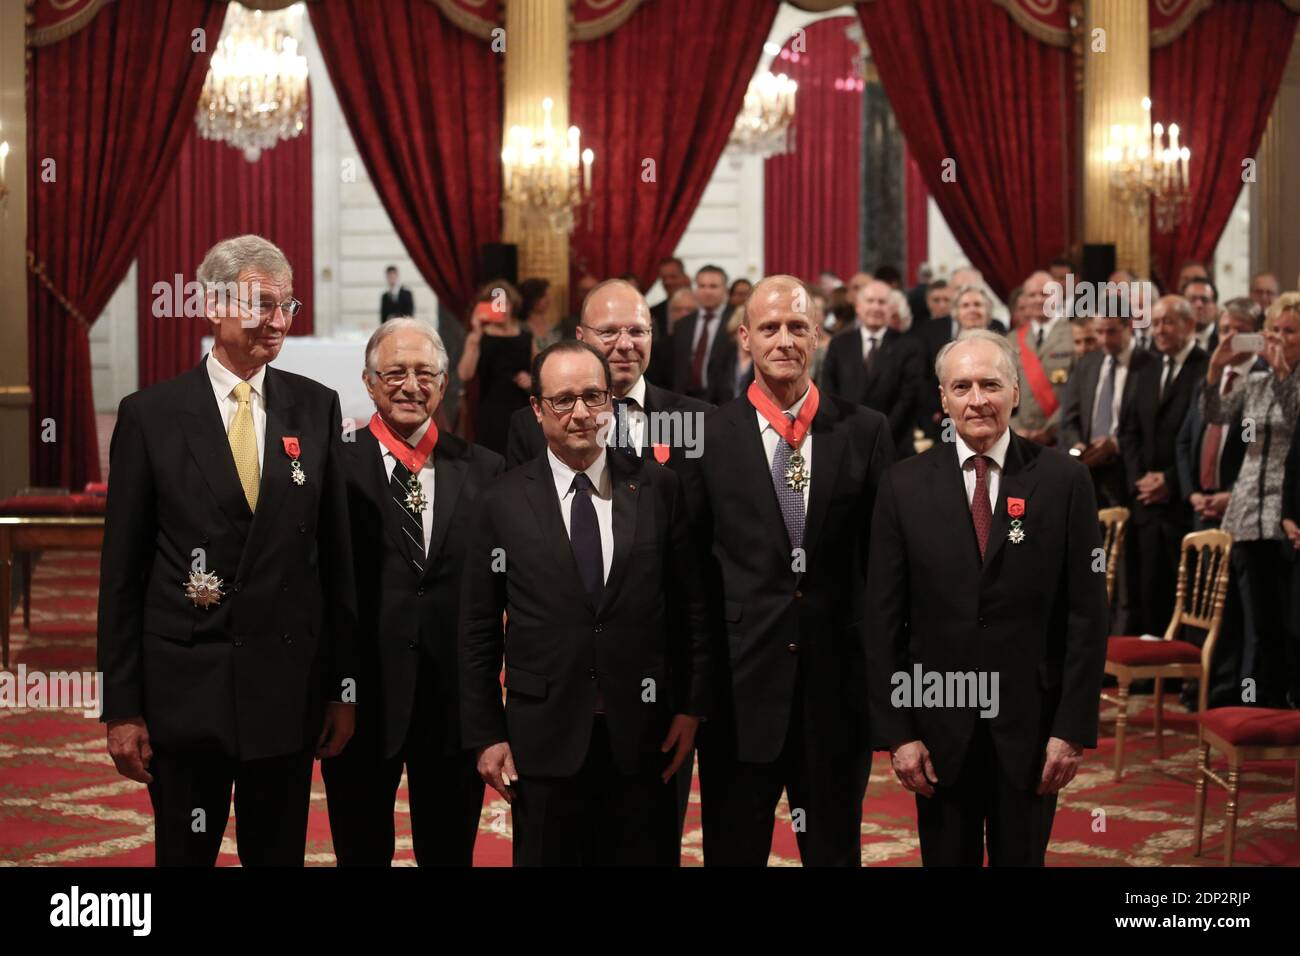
{"type": "Point", "coordinates": [1149, 431]}
{"type": "Point", "coordinates": [719, 363]}
{"type": "Point", "coordinates": [249, 677]}
{"type": "Point", "coordinates": [557, 648]}
{"type": "Point", "coordinates": [1077, 400]}
{"type": "Point", "coordinates": [934, 335]}
{"type": "Point", "coordinates": [405, 304]}
{"type": "Point", "coordinates": [1291, 493]}
{"type": "Point", "coordinates": [660, 369]}
{"type": "Point", "coordinates": [1191, 439]}
{"type": "Point", "coordinates": [408, 620]}
{"type": "Point", "coordinates": [777, 620]}
{"type": "Point", "coordinates": [1033, 613]}
{"type": "Point", "coordinates": [893, 388]}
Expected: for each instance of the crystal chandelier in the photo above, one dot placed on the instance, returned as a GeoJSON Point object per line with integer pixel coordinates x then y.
{"type": "Point", "coordinates": [763, 125]}
{"type": "Point", "coordinates": [255, 93]}
{"type": "Point", "coordinates": [546, 177]}
{"type": "Point", "coordinates": [1149, 168]}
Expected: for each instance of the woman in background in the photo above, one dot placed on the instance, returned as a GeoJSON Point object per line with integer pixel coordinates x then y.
{"type": "Point", "coordinates": [498, 352]}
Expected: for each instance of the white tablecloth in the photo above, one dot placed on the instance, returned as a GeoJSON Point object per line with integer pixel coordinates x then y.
{"type": "Point", "coordinates": [336, 362]}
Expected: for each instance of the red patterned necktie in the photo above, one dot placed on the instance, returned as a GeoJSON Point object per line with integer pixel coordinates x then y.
{"type": "Point", "coordinates": [981, 511]}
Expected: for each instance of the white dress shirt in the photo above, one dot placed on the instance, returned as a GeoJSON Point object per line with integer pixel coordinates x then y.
{"type": "Point", "coordinates": [868, 335]}
{"type": "Point", "coordinates": [223, 386]}
{"type": "Point", "coordinates": [1168, 374]}
{"type": "Point", "coordinates": [1118, 366]}
{"type": "Point", "coordinates": [712, 331]}
{"type": "Point", "coordinates": [998, 454]}
{"type": "Point", "coordinates": [771, 436]}
{"type": "Point", "coordinates": [602, 497]}
{"type": "Point", "coordinates": [425, 476]}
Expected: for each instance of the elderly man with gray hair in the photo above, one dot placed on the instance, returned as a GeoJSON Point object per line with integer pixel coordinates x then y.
{"type": "Point", "coordinates": [227, 616]}
{"type": "Point", "coordinates": [412, 493]}
{"type": "Point", "coordinates": [986, 630]}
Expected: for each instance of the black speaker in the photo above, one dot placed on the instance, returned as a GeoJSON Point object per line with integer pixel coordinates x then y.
{"type": "Point", "coordinates": [498, 260]}
{"type": "Point", "coordinates": [1098, 261]}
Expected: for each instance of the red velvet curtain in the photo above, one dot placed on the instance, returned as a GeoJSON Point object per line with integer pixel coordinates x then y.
{"type": "Point", "coordinates": [1217, 81]}
{"type": "Point", "coordinates": [916, 216]}
{"type": "Point", "coordinates": [108, 110]}
{"type": "Point", "coordinates": [969, 85]}
{"type": "Point", "coordinates": [423, 101]}
{"type": "Point", "coordinates": [812, 195]}
{"type": "Point", "coordinates": [666, 86]}
{"type": "Point", "coordinates": [215, 193]}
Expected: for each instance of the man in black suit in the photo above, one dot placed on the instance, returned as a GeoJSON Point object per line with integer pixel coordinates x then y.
{"type": "Point", "coordinates": [588, 552]}
{"type": "Point", "coordinates": [673, 277]}
{"type": "Point", "coordinates": [703, 354]}
{"type": "Point", "coordinates": [397, 298]}
{"type": "Point", "coordinates": [1148, 433]}
{"type": "Point", "coordinates": [1093, 402]}
{"type": "Point", "coordinates": [791, 478]}
{"type": "Point", "coordinates": [879, 367]}
{"type": "Point", "coordinates": [1203, 296]}
{"type": "Point", "coordinates": [227, 616]}
{"type": "Point", "coordinates": [1013, 640]}
{"type": "Point", "coordinates": [412, 492]}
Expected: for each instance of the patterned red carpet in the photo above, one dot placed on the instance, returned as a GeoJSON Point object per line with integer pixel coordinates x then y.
{"type": "Point", "coordinates": [62, 803]}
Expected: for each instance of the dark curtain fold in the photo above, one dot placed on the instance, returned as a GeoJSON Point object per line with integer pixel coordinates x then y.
{"type": "Point", "coordinates": [108, 110]}
{"type": "Point", "coordinates": [215, 193]}
{"type": "Point", "coordinates": [1217, 81]}
{"type": "Point", "coordinates": [653, 91]}
{"type": "Point", "coordinates": [812, 195]}
{"type": "Point", "coordinates": [423, 101]}
{"type": "Point", "coordinates": [988, 112]}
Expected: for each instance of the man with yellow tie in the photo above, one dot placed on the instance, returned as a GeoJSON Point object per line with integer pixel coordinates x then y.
{"type": "Point", "coordinates": [227, 616]}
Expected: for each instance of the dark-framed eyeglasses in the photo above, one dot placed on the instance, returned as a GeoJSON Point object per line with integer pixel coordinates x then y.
{"type": "Point", "coordinates": [563, 404]}
{"type": "Point", "coordinates": [264, 308]}
{"type": "Point", "coordinates": [634, 332]}
{"type": "Point", "coordinates": [396, 377]}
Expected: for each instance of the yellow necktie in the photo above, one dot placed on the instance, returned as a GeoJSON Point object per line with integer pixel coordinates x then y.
{"type": "Point", "coordinates": [243, 444]}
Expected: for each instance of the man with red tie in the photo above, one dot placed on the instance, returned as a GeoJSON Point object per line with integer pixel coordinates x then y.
{"type": "Point", "coordinates": [984, 689]}
{"type": "Point", "coordinates": [703, 353]}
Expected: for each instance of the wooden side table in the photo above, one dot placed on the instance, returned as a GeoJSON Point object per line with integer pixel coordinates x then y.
{"type": "Point", "coordinates": [22, 534]}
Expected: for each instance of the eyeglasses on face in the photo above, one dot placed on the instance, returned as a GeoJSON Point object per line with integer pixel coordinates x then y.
{"type": "Point", "coordinates": [264, 307]}
{"type": "Point", "coordinates": [563, 404]}
{"type": "Point", "coordinates": [636, 333]}
{"type": "Point", "coordinates": [396, 377]}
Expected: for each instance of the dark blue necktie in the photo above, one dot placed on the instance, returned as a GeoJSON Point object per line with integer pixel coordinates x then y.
{"type": "Point", "coordinates": [584, 536]}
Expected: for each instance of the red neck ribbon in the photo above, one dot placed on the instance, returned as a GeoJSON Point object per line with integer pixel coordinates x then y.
{"type": "Point", "coordinates": [412, 458]}
{"type": "Point", "coordinates": [792, 432]}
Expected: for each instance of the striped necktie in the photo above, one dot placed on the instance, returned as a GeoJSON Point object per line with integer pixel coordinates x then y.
{"type": "Point", "coordinates": [410, 523]}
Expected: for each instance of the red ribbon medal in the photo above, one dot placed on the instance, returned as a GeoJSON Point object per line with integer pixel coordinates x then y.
{"type": "Point", "coordinates": [792, 431]}
{"type": "Point", "coordinates": [412, 458]}
{"type": "Point", "coordinates": [292, 449]}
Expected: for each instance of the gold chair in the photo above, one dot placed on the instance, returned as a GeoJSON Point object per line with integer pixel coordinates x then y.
{"type": "Point", "coordinates": [1202, 587]}
{"type": "Point", "coordinates": [1114, 521]}
{"type": "Point", "coordinates": [1241, 734]}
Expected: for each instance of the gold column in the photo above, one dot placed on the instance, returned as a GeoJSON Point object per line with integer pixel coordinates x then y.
{"type": "Point", "coordinates": [537, 67]}
{"type": "Point", "coordinates": [15, 393]}
{"type": "Point", "coordinates": [1115, 81]}
{"type": "Point", "coordinates": [1274, 199]}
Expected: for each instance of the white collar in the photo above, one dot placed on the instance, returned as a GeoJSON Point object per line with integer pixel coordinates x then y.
{"type": "Point", "coordinates": [1044, 325]}
{"type": "Point", "coordinates": [876, 334]}
{"type": "Point", "coordinates": [564, 475]}
{"type": "Point", "coordinates": [1244, 368]}
{"type": "Point", "coordinates": [1186, 350]}
{"type": "Point", "coordinates": [637, 392]}
{"type": "Point", "coordinates": [998, 452]}
{"type": "Point", "coordinates": [224, 380]}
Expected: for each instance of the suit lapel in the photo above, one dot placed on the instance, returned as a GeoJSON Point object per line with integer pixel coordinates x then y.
{"type": "Point", "coordinates": [540, 492]}
{"type": "Point", "coordinates": [625, 486]}
{"type": "Point", "coordinates": [206, 439]}
{"type": "Point", "coordinates": [1088, 393]}
{"type": "Point", "coordinates": [948, 498]}
{"type": "Point", "coordinates": [449, 470]}
{"type": "Point", "coordinates": [280, 422]}
{"type": "Point", "coordinates": [827, 455]}
{"type": "Point", "coordinates": [1017, 481]}
{"type": "Point", "coordinates": [751, 461]}
{"type": "Point", "coordinates": [371, 461]}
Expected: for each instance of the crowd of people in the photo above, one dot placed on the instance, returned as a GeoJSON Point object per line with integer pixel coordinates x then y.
{"type": "Point", "coordinates": [774, 527]}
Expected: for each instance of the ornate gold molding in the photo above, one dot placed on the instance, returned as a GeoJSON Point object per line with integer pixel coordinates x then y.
{"type": "Point", "coordinates": [592, 29]}
{"type": "Point", "coordinates": [64, 29]}
{"type": "Point", "coordinates": [470, 24]}
{"type": "Point", "coordinates": [1174, 30]}
{"type": "Point", "coordinates": [1036, 28]}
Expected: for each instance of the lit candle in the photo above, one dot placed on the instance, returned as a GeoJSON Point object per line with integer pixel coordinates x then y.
{"type": "Point", "coordinates": [4, 154]}
{"type": "Point", "coordinates": [587, 157]}
{"type": "Point", "coordinates": [1185, 155]}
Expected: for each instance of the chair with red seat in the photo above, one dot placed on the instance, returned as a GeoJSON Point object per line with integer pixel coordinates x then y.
{"type": "Point", "coordinates": [1241, 734]}
{"type": "Point", "coordinates": [1202, 589]}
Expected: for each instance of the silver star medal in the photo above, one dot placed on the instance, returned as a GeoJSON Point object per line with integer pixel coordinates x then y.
{"type": "Point", "coordinates": [796, 476]}
{"type": "Point", "coordinates": [204, 589]}
{"type": "Point", "coordinates": [415, 499]}
{"type": "Point", "coordinates": [296, 472]}
{"type": "Point", "coordinates": [1015, 535]}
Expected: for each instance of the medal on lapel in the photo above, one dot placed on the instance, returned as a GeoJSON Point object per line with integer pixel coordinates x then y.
{"type": "Point", "coordinates": [412, 458]}
{"type": "Point", "coordinates": [797, 475]}
{"type": "Point", "coordinates": [294, 451]}
{"type": "Point", "coordinates": [204, 589]}
{"type": "Point", "coordinates": [1016, 511]}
